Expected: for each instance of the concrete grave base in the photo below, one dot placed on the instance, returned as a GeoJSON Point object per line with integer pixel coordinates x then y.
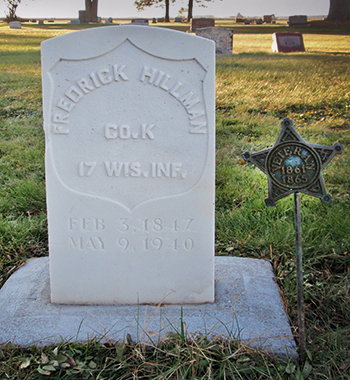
{"type": "Point", "coordinates": [247, 306]}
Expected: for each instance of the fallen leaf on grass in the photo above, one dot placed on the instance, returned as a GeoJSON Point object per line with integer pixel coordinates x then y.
{"type": "Point", "coordinates": [25, 363]}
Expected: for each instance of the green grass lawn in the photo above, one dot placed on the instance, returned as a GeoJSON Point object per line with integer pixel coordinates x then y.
{"type": "Point", "coordinates": [255, 90]}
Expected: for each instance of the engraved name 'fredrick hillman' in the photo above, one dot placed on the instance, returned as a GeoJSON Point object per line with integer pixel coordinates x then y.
{"type": "Point", "coordinates": [140, 143]}
{"type": "Point", "coordinates": [106, 75]}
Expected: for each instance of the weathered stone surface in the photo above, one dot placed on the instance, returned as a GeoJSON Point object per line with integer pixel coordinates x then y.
{"type": "Point", "coordinates": [223, 38]}
{"type": "Point", "coordinates": [247, 306]}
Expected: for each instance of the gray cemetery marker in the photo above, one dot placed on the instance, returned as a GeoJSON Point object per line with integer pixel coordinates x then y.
{"type": "Point", "coordinates": [201, 23]}
{"type": "Point", "coordinates": [223, 38]}
{"type": "Point", "coordinates": [142, 21]}
{"type": "Point", "coordinates": [294, 166]}
{"type": "Point", "coordinates": [15, 25]}
{"type": "Point", "coordinates": [299, 20]}
{"type": "Point", "coordinates": [268, 19]}
{"type": "Point", "coordinates": [83, 17]}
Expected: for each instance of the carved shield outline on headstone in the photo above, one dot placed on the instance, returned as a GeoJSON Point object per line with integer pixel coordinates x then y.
{"type": "Point", "coordinates": [121, 149]}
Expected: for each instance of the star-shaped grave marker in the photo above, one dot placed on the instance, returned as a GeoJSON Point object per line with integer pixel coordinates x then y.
{"type": "Point", "coordinates": [292, 165]}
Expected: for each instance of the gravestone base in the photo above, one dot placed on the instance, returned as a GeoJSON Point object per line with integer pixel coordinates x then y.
{"type": "Point", "coordinates": [247, 307]}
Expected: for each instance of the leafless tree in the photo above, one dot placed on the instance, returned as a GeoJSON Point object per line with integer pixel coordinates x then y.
{"type": "Point", "coordinates": [142, 4]}
{"type": "Point", "coordinates": [12, 8]}
{"type": "Point", "coordinates": [190, 8]}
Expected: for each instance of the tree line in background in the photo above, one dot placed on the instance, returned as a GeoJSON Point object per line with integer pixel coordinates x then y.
{"type": "Point", "coordinates": [338, 10]}
{"type": "Point", "coordinates": [91, 8]}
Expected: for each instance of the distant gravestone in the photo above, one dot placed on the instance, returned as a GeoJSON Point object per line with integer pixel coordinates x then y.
{"type": "Point", "coordinates": [15, 25]}
{"type": "Point", "coordinates": [160, 19]}
{"type": "Point", "coordinates": [287, 42]}
{"type": "Point", "coordinates": [41, 22]}
{"type": "Point", "coordinates": [83, 17]}
{"type": "Point", "coordinates": [75, 22]}
{"type": "Point", "coordinates": [178, 19]}
{"type": "Point", "coordinates": [154, 20]}
{"type": "Point", "coordinates": [201, 23]}
{"type": "Point", "coordinates": [142, 21]}
{"type": "Point", "coordinates": [129, 120]}
{"type": "Point", "coordinates": [246, 22]}
{"type": "Point", "coordinates": [268, 19]}
{"type": "Point", "coordinates": [297, 21]}
{"type": "Point", "coordinates": [259, 21]}
{"type": "Point", "coordinates": [223, 38]}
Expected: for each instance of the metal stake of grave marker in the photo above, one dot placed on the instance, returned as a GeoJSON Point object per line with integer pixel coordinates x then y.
{"type": "Point", "coordinates": [294, 166]}
{"type": "Point", "coordinates": [299, 267]}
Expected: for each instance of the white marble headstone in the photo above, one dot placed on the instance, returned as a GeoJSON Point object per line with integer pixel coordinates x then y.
{"type": "Point", "coordinates": [129, 119]}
